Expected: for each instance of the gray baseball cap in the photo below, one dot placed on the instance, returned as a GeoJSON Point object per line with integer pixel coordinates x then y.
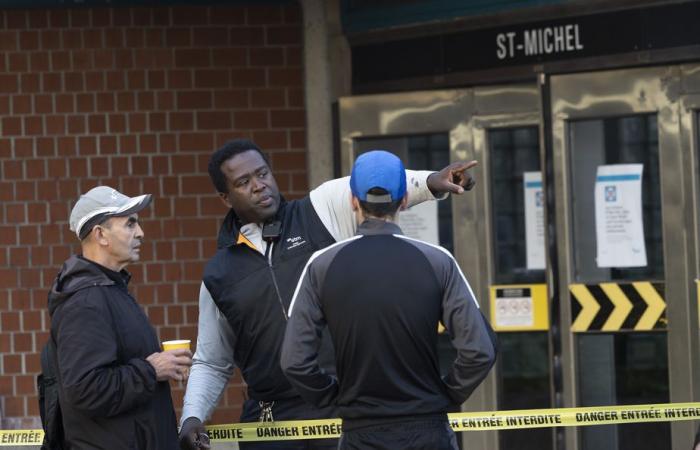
{"type": "Point", "coordinates": [101, 203]}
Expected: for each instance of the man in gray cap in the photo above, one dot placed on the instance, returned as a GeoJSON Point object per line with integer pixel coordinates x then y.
{"type": "Point", "coordinates": [112, 375]}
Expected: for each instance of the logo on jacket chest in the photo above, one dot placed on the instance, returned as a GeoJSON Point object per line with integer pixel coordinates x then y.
{"type": "Point", "coordinates": [294, 242]}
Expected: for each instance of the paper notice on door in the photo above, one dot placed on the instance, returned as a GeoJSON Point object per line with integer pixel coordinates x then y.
{"type": "Point", "coordinates": [421, 222]}
{"type": "Point", "coordinates": [534, 220]}
{"type": "Point", "coordinates": [618, 216]}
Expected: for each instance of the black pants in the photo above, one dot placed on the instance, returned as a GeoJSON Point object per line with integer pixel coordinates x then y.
{"type": "Point", "coordinates": [289, 409]}
{"type": "Point", "coordinates": [411, 435]}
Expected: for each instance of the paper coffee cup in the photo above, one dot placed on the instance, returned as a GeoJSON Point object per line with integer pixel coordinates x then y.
{"type": "Point", "coordinates": [172, 345]}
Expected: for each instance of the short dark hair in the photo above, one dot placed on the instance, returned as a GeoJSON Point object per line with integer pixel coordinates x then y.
{"type": "Point", "coordinates": [380, 209]}
{"type": "Point", "coordinates": [228, 151]}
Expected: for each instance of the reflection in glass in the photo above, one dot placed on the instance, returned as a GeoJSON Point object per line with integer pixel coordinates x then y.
{"type": "Point", "coordinates": [615, 140]}
{"type": "Point", "coordinates": [512, 151]}
{"type": "Point", "coordinates": [624, 369]}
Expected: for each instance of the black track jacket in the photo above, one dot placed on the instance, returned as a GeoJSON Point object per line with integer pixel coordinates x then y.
{"type": "Point", "coordinates": [108, 392]}
{"type": "Point", "coordinates": [381, 295]}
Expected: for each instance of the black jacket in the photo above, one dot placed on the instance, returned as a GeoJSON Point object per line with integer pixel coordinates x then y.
{"type": "Point", "coordinates": [109, 395]}
{"type": "Point", "coordinates": [254, 294]}
{"type": "Point", "coordinates": [381, 296]}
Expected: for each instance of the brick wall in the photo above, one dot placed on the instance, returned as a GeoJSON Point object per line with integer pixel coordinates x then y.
{"type": "Point", "coordinates": [135, 98]}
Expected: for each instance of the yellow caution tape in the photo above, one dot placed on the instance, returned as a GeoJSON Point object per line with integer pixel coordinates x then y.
{"type": "Point", "coordinates": [466, 421]}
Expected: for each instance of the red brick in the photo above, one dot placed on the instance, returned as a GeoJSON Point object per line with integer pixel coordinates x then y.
{"type": "Point", "coordinates": [192, 58]}
{"type": "Point", "coordinates": [108, 145]}
{"type": "Point", "coordinates": [117, 123]}
{"type": "Point", "coordinates": [50, 39]}
{"type": "Point", "coordinates": [250, 119]}
{"type": "Point", "coordinates": [247, 77]}
{"type": "Point", "coordinates": [21, 104]}
{"type": "Point", "coordinates": [145, 101]}
{"type": "Point", "coordinates": [125, 101]}
{"type": "Point", "coordinates": [30, 82]}
{"type": "Point", "coordinates": [271, 140]}
{"type": "Point", "coordinates": [178, 37]}
{"type": "Point", "coordinates": [45, 147]}
{"type": "Point", "coordinates": [294, 56]}
{"type": "Point", "coordinates": [159, 165]}
{"type": "Point", "coordinates": [202, 142]}
{"type": "Point", "coordinates": [165, 101]}
{"type": "Point", "coordinates": [9, 320]}
{"type": "Point", "coordinates": [82, 59]}
{"type": "Point", "coordinates": [77, 167]}
{"type": "Point", "coordinates": [178, 121]}
{"type": "Point", "coordinates": [297, 139]}
{"type": "Point", "coordinates": [15, 213]}
{"type": "Point", "coordinates": [136, 79]}
{"type": "Point", "coordinates": [99, 167]}
{"type": "Point", "coordinates": [157, 122]}
{"type": "Point", "coordinates": [115, 80]}
{"type": "Point", "coordinates": [25, 191]}
{"type": "Point", "coordinates": [4, 104]}
{"type": "Point", "coordinates": [22, 342]}
{"type": "Point", "coordinates": [156, 79]}
{"type": "Point", "coordinates": [289, 161]}
{"type": "Point", "coordinates": [33, 126]}
{"type": "Point", "coordinates": [11, 126]}
{"type": "Point", "coordinates": [15, 406]}
{"type": "Point", "coordinates": [39, 61]}
{"type": "Point", "coordinates": [66, 145]}
{"type": "Point", "coordinates": [283, 35]}
{"type": "Point", "coordinates": [24, 148]}
{"type": "Point", "coordinates": [285, 77]}
{"type": "Point", "coordinates": [5, 148]}
{"type": "Point", "coordinates": [72, 39]}
{"type": "Point", "coordinates": [64, 103]}
{"type": "Point", "coordinates": [97, 124]}
{"type": "Point", "coordinates": [194, 100]}
{"type": "Point", "coordinates": [101, 17]}
{"type": "Point", "coordinates": [56, 167]}
{"type": "Point", "coordinates": [114, 38]}
{"type": "Point", "coordinates": [55, 124]}
{"type": "Point", "coordinates": [190, 15]}
{"type": "Point", "coordinates": [210, 36]}
{"type": "Point", "coordinates": [264, 15]}
{"type": "Point", "coordinates": [103, 59]}
{"type": "Point", "coordinates": [233, 98]}
{"type": "Point", "coordinates": [213, 120]}
{"type": "Point", "coordinates": [121, 17]}
{"type": "Point", "coordinates": [51, 82]}
{"type": "Point", "coordinates": [270, 98]}
{"type": "Point", "coordinates": [264, 56]}
{"type": "Point", "coordinates": [195, 184]}
{"type": "Point", "coordinates": [214, 78]}
{"type": "Point", "coordinates": [295, 98]}
{"type": "Point", "coordinates": [35, 168]}
{"type": "Point", "coordinates": [92, 38]}
{"type": "Point", "coordinates": [29, 235]}
{"type": "Point", "coordinates": [18, 62]}
{"type": "Point", "coordinates": [155, 37]}
{"type": "Point", "coordinates": [74, 81]}
{"type": "Point", "coordinates": [180, 79]}
{"type": "Point", "coordinates": [9, 41]}
{"type": "Point", "coordinates": [43, 104]}
{"type": "Point", "coordinates": [227, 15]}
{"type": "Point", "coordinates": [230, 57]}
{"type": "Point", "coordinates": [134, 37]}
{"type": "Point", "coordinates": [28, 40]}
{"type": "Point", "coordinates": [9, 83]}
{"type": "Point", "coordinates": [76, 124]}
{"type": "Point", "coordinates": [94, 81]}
{"type": "Point", "coordinates": [137, 122]}
{"type": "Point", "coordinates": [292, 14]}
{"type": "Point", "coordinates": [139, 165]}
{"type": "Point", "coordinates": [247, 36]}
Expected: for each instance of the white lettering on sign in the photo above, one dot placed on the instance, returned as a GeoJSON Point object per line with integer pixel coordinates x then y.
{"type": "Point", "coordinates": [539, 41]}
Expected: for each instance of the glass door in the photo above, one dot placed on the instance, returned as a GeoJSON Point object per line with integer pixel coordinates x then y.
{"type": "Point", "coordinates": [621, 215]}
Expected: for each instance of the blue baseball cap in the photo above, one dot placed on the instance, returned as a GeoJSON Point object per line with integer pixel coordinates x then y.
{"type": "Point", "coordinates": [378, 169]}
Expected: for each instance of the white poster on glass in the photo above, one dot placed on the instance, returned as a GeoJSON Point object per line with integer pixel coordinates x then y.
{"type": "Point", "coordinates": [534, 220]}
{"type": "Point", "coordinates": [618, 216]}
{"type": "Point", "coordinates": [421, 222]}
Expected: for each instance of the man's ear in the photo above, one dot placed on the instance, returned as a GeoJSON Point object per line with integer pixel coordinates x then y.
{"type": "Point", "coordinates": [404, 202]}
{"type": "Point", "coordinates": [98, 235]}
{"type": "Point", "coordinates": [224, 199]}
{"type": "Point", "coordinates": [355, 203]}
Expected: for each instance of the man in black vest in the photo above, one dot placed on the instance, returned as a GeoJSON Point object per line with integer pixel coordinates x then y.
{"type": "Point", "coordinates": [247, 286]}
{"type": "Point", "coordinates": [381, 296]}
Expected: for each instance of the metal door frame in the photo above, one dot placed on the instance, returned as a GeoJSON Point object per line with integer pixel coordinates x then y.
{"type": "Point", "coordinates": [614, 93]}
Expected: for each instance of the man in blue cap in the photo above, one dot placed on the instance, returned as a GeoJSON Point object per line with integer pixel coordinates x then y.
{"type": "Point", "coordinates": [382, 295]}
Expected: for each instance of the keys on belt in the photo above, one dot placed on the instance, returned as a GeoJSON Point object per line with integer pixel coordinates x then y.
{"type": "Point", "coordinates": [266, 411]}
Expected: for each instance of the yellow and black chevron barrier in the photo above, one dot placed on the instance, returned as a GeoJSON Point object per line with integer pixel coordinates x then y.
{"type": "Point", "coordinates": [466, 421]}
{"type": "Point", "coordinates": [638, 306]}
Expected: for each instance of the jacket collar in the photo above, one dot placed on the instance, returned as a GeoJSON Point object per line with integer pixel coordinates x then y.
{"type": "Point", "coordinates": [372, 227]}
{"type": "Point", "coordinates": [230, 231]}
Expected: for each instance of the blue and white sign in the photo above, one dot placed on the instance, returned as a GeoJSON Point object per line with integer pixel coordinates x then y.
{"type": "Point", "coordinates": [534, 220]}
{"type": "Point", "coordinates": [618, 216]}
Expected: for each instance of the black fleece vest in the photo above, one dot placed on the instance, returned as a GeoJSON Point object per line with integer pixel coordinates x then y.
{"type": "Point", "coordinates": [241, 282]}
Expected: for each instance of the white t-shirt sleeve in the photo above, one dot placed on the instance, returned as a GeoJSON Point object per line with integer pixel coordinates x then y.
{"type": "Point", "coordinates": [212, 363]}
{"type": "Point", "coordinates": [331, 200]}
